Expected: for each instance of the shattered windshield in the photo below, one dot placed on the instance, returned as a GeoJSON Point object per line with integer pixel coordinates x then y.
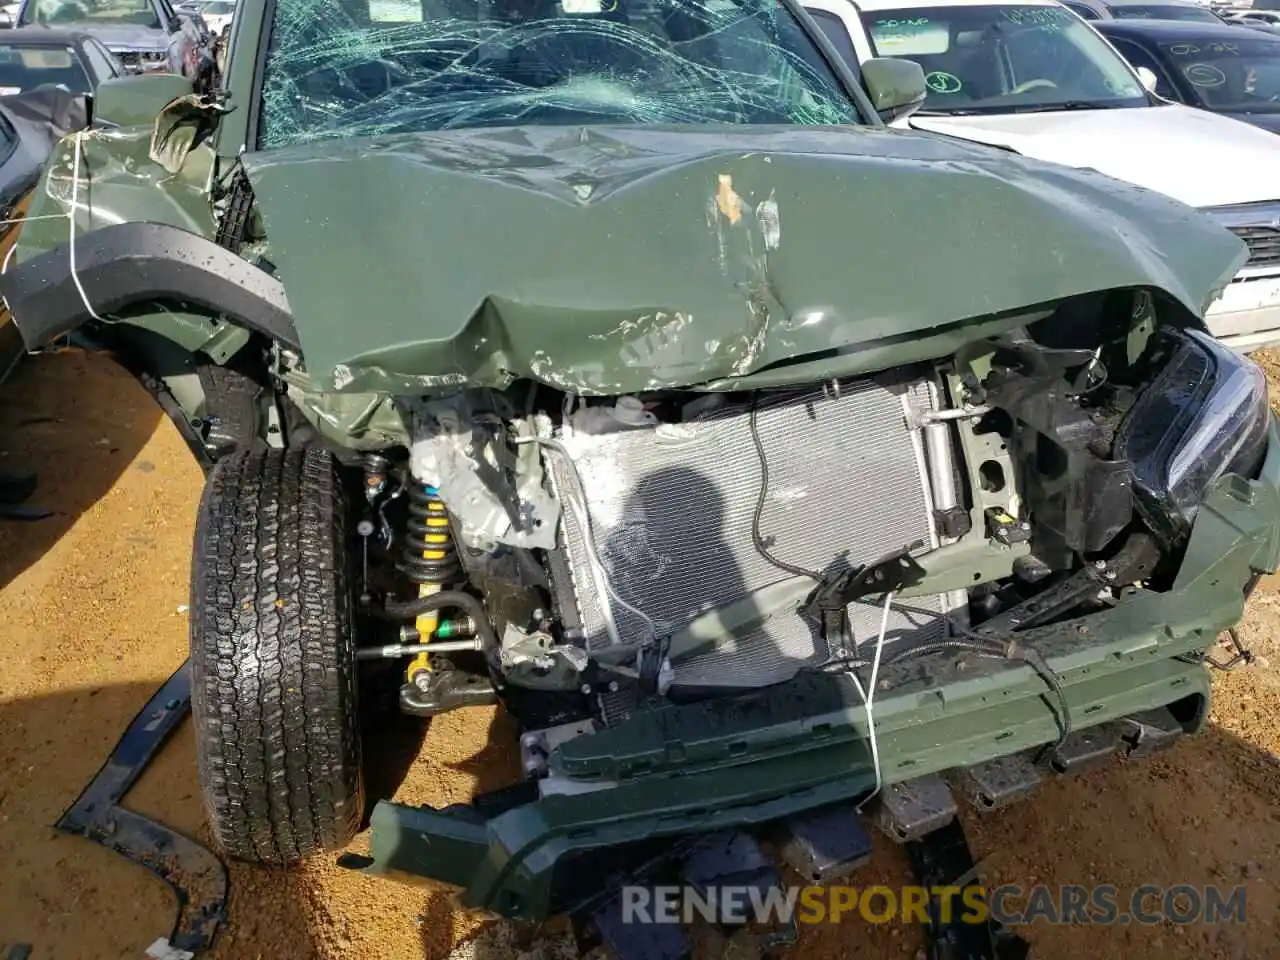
{"type": "Point", "coordinates": [342, 68]}
{"type": "Point", "coordinates": [134, 13]}
{"type": "Point", "coordinates": [1005, 58]}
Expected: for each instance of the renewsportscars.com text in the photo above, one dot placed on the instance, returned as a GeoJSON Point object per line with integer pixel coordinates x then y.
{"type": "Point", "coordinates": [1012, 905]}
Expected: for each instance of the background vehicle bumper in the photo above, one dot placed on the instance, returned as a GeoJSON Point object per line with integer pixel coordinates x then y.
{"type": "Point", "coordinates": [1247, 315]}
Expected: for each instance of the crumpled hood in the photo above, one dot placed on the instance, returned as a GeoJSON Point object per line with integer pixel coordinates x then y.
{"type": "Point", "coordinates": [1195, 156]}
{"type": "Point", "coordinates": [608, 260]}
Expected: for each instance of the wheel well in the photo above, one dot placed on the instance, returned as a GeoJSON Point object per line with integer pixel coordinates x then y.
{"type": "Point", "coordinates": [218, 408]}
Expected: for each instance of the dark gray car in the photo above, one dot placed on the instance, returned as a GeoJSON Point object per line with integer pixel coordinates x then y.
{"type": "Point", "coordinates": [1226, 69]}
{"type": "Point", "coordinates": [1143, 10]}
{"type": "Point", "coordinates": [147, 35]}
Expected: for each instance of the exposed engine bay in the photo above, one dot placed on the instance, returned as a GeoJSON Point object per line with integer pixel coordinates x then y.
{"type": "Point", "coordinates": [579, 558]}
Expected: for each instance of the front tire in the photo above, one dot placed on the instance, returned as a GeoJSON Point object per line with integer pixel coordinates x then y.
{"type": "Point", "coordinates": [273, 657]}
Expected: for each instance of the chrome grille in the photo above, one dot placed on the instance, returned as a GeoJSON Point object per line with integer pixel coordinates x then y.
{"type": "Point", "coordinates": [671, 515]}
{"type": "Point", "coordinates": [1263, 243]}
{"type": "Point", "coordinates": [1258, 225]}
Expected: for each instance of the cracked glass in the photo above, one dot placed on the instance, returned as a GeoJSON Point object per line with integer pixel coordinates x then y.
{"type": "Point", "coordinates": [343, 68]}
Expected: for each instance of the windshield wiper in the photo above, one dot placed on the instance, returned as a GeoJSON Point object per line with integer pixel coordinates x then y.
{"type": "Point", "coordinates": [1068, 105]}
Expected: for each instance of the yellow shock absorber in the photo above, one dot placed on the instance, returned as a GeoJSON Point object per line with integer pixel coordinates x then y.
{"type": "Point", "coordinates": [430, 537]}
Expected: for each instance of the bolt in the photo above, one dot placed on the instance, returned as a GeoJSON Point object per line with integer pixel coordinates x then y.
{"type": "Point", "coordinates": [586, 688]}
{"type": "Point", "coordinates": [422, 680]}
{"type": "Point", "coordinates": [613, 686]}
{"type": "Point", "coordinates": [1099, 564]}
{"type": "Point", "coordinates": [533, 768]}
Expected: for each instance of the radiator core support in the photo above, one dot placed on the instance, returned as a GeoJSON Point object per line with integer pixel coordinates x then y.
{"type": "Point", "coordinates": [671, 508]}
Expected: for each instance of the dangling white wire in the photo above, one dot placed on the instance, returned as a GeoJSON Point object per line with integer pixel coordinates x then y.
{"type": "Point", "coordinates": [4, 267]}
{"type": "Point", "coordinates": [869, 696]}
{"type": "Point", "coordinates": [71, 217]}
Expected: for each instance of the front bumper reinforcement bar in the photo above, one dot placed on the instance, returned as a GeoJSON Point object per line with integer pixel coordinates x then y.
{"type": "Point", "coordinates": [194, 873]}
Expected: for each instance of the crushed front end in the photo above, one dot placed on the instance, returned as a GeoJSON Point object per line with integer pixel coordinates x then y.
{"type": "Point", "coordinates": [729, 610]}
{"type": "Point", "coordinates": [741, 530]}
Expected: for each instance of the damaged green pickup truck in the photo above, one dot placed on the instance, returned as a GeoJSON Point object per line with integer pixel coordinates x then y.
{"type": "Point", "coordinates": [616, 364]}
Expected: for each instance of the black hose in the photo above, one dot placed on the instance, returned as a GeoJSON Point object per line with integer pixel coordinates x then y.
{"type": "Point", "coordinates": [412, 609]}
{"type": "Point", "coordinates": [1004, 650]}
{"type": "Point", "coordinates": [757, 540]}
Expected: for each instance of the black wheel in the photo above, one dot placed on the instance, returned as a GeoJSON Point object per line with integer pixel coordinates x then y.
{"type": "Point", "coordinates": [273, 657]}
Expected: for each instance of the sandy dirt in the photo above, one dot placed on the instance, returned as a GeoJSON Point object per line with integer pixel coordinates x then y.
{"type": "Point", "coordinates": [93, 603]}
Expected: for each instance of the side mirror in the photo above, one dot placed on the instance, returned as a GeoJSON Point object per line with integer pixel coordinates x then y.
{"type": "Point", "coordinates": [896, 87]}
{"type": "Point", "coordinates": [132, 100]}
{"type": "Point", "coordinates": [1148, 78]}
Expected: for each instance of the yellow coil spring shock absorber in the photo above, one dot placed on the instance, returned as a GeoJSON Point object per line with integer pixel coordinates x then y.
{"type": "Point", "coordinates": [429, 558]}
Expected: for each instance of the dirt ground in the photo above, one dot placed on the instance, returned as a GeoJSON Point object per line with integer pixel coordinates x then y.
{"type": "Point", "coordinates": [93, 602]}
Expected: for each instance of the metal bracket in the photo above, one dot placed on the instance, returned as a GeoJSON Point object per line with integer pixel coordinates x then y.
{"type": "Point", "coordinates": [914, 808]}
{"type": "Point", "coordinates": [943, 859]}
{"type": "Point", "coordinates": [1150, 731]}
{"type": "Point", "coordinates": [826, 844]}
{"type": "Point", "coordinates": [997, 783]}
{"type": "Point", "coordinates": [194, 873]}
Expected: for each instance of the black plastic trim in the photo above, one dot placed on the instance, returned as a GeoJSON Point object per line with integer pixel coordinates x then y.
{"type": "Point", "coordinates": [125, 264]}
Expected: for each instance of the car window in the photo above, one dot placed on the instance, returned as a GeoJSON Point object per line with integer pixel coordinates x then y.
{"type": "Point", "coordinates": [1235, 75]}
{"type": "Point", "coordinates": [335, 68]}
{"type": "Point", "coordinates": [1160, 11]}
{"type": "Point", "coordinates": [8, 140]}
{"type": "Point", "coordinates": [103, 64]}
{"type": "Point", "coordinates": [137, 13]}
{"type": "Point", "coordinates": [838, 34]}
{"type": "Point", "coordinates": [1139, 57]}
{"type": "Point", "coordinates": [1002, 58]}
{"type": "Point", "coordinates": [25, 66]}
{"type": "Point", "coordinates": [1086, 13]}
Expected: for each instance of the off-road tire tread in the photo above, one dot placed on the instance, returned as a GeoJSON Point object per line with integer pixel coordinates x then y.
{"type": "Point", "coordinates": [272, 656]}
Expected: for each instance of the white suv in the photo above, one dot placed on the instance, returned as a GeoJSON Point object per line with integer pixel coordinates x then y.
{"type": "Point", "coordinates": [1031, 76]}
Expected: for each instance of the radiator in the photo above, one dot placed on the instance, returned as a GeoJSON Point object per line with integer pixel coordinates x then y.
{"type": "Point", "coordinates": [671, 516]}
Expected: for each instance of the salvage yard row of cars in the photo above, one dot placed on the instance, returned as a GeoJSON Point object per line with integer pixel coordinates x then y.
{"type": "Point", "coordinates": [558, 355]}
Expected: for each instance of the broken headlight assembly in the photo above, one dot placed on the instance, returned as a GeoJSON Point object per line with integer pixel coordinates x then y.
{"type": "Point", "coordinates": [1204, 414]}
